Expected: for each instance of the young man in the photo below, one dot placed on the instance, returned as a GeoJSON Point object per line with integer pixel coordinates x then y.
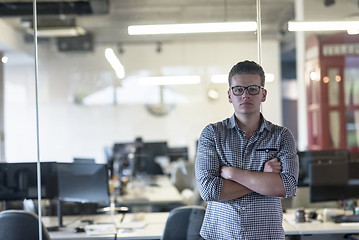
{"type": "Point", "coordinates": [245, 164]}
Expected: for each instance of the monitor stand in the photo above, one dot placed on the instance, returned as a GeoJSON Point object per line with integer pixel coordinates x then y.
{"type": "Point", "coordinates": [59, 213]}
{"type": "Point", "coordinates": [3, 207]}
{"type": "Point", "coordinates": [59, 219]}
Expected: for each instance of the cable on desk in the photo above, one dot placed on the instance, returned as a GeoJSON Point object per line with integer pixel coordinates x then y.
{"type": "Point", "coordinates": [123, 217]}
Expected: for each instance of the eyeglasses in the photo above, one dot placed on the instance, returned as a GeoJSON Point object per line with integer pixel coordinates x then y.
{"type": "Point", "coordinates": [252, 90]}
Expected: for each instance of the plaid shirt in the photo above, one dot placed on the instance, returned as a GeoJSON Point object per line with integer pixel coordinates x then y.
{"type": "Point", "coordinates": [253, 216]}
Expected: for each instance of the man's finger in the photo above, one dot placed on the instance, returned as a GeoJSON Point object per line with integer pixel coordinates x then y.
{"type": "Point", "coordinates": [274, 160]}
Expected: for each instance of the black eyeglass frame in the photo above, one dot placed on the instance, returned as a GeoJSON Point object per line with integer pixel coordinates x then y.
{"type": "Point", "coordinates": [246, 88]}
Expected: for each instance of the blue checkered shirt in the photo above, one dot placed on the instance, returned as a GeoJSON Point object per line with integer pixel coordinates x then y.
{"type": "Point", "coordinates": [253, 216]}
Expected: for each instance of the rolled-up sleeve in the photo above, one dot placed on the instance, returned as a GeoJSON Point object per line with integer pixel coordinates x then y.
{"type": "Point", "coordinates": [290, 163]}
{"type": "Point", "coordinates": [207, 167]}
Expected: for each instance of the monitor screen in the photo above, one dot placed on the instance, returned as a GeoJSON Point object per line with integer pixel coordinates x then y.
{"type": "Point", "coordinates": [305, 158]}
{"type": "Point", "coordinates": [83, 182]}
{"type": "Point", "coordinates": [123, 159]}
{"type": "Point", "coordinates": [121, 150]}
{"type": "Point", "coordinates": [18, 181]}
{"type": "Point", "coordinates": [329, 174]}
{"type": "Point", "coordinates": [353, 183]}
{"type": "Point", "coordinates": [147, 155]}
{"type": "Point", "coordinates": [177, 153]}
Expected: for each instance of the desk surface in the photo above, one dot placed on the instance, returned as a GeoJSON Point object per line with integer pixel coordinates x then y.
{"type": "Point", "coordinates": [316, 227]}
{"type": "Point", "coordinates": [152, 226]}
{"type": "Point", "coordinates": [156, 190]}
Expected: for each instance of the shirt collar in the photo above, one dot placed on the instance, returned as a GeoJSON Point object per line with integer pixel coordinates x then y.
{"type": "Point", "coordinates": [265, 124]}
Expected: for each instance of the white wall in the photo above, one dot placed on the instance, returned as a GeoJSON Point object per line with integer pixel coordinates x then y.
{"type": "Point", "coordinates": [68, 130]}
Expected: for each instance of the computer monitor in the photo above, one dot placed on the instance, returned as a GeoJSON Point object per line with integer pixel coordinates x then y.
{"type": "Point", "coordinates": [305, 158]}
{"type": "Point", "coordinates": [147, 155]}
{"type": "Point", "coordinates": [123, 161]}
{"type": "Point", "coordinates": [120, 150]}
{"type": "Point", "coordinates": [177, 153]}
{"type": "Point", "coordinates": [83, 160]}
{"type": "Point", "coordinates": [83, 182]}
{"type": "Point", "coordinates": [329, 175]}
{"type": "Point", "coordinates": [353, 183]}
{"type": "Point", "coordinates": [18, 181]}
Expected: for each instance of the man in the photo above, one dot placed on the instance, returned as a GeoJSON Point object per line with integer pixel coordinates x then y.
{"type": "Point", "coordinates": [245, 164]}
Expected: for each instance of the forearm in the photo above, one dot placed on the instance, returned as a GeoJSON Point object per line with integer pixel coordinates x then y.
{"type": "Point", "coordinates": [265, 183]}
{"type": "Point", "coordinates": [232, 190]}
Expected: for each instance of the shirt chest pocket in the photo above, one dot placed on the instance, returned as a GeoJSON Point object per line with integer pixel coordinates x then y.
{"type": "Point", "coordinates": [267, 150]}
{"type": "Point", "coordinates": [258, 157]}
{"type": "Point", "coordinates": [266, 153]}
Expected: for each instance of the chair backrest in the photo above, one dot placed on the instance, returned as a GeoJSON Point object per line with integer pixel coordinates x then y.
{"type": "Point", "coordinates": [19, 225]}
{"type": "Point", "coordinates": [184, 223]}
{"type": "Point", "coordinates": [184, 177]}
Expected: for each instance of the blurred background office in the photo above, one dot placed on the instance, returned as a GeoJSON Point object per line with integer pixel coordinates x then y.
{"type": "Point", "coordinates": [89, 110]}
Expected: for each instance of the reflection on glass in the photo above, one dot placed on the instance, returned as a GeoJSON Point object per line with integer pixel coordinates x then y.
{"type": "Point", "coordinates": [352, 104]}
{"type": "Point", "coordinates": [314, 92]}
{"type": "Point", "coordinates": [333, 87]}
{"type": "Point", "coordinates": [314, 103]}
{"type": "Point", "coordinates": [352, 128]}
{"type": "Point", "coordinates": [315, 127]}
{"type": "Point", "coordinates": [334, 126]}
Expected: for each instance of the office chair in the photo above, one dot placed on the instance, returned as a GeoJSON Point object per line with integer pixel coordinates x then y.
{"type": "Point", "coordinates": [19, 225]}
{"type": "Point", "coordinates": [183, 176]}
{"type": "Point", "coordinates": [184, 223]}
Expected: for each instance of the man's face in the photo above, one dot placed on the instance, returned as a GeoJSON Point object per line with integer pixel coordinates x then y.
{"type": "Point", "coordinates": [247, 103]}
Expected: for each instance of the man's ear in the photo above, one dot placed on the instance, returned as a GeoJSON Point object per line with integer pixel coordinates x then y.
{"type": "Point", "coordinates": [229, 96]}
{"type": "Point", "coordinates": [264, 95]}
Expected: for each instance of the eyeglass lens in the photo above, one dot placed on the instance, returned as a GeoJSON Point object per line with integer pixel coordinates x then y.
{"type": "Point", "coordinates": [252, 90]}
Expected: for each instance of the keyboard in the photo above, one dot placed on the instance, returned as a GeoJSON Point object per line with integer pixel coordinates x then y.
{"type": "Point", "coordinates": [346, 218]}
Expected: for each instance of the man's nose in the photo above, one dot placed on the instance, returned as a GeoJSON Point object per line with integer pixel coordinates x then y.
{"type": "Point", "coordinates": [245, 93]}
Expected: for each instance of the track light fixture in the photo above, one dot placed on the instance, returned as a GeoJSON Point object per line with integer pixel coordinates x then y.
{"type": "Point", "coordinates": [329, 3]}
{"type": "Point", "coordinates": [159, 47]}
{"type": "Point", "coordinates": [120, 48]}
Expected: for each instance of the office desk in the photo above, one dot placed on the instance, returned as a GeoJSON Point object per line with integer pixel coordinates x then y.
{"type": "Point", "coordinates": [156, 191]}
{"type": "Point", "coordinates": [297, 230]}
{"type": "Point", "coordinates": [152, 226]}
{"type": "Point", "coordinates": [154, 223]}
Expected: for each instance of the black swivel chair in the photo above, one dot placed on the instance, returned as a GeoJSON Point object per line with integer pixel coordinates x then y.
{"type": "Point", "coordinates": [20, 225]}
{"type": "Point", "coordinates": [184, 223]}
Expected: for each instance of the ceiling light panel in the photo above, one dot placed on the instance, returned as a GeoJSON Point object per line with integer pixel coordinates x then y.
{"type": "Point", "coordinates": [192, 28]}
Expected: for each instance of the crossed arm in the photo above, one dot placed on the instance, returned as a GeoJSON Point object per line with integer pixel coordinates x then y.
{"type": "Point", "coordinates": [238, 182]}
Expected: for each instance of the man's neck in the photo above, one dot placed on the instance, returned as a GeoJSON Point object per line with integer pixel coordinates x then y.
{"type": "Point", "coordinates": [248, 122]}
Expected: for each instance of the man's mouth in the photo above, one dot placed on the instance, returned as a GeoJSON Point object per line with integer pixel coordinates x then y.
{"type": "Point", "coordinates": [246, 103]}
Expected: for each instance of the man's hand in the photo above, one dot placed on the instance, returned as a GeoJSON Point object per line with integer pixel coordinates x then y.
{"type": "Point", "coordinates": [265, 183]}
{"type": "Point", "coordinates": [226, 172]}
{"type": "Point", "coordinates": [273, 165]}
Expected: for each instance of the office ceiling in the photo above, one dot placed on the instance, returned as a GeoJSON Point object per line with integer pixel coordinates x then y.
{"type": "Point", "coordinates": [108, 20]}
{"type": "Point", "coordinates": [275, 13]}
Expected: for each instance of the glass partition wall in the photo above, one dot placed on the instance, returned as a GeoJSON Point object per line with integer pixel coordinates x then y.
{"type": "Point", "coordinates": [86, 106]}
{"type": "Point", "coordinates": [94, 88]}
{"type": "Point", "coordinates": [79, 103]}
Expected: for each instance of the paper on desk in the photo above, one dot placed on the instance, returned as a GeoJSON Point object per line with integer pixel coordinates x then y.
{"type": "Point", "coordinates": [132, 225]}
{"type": "Point", "coordinates": [349, 224]}
{"type": "Point", "coordinates": [100, 229]}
